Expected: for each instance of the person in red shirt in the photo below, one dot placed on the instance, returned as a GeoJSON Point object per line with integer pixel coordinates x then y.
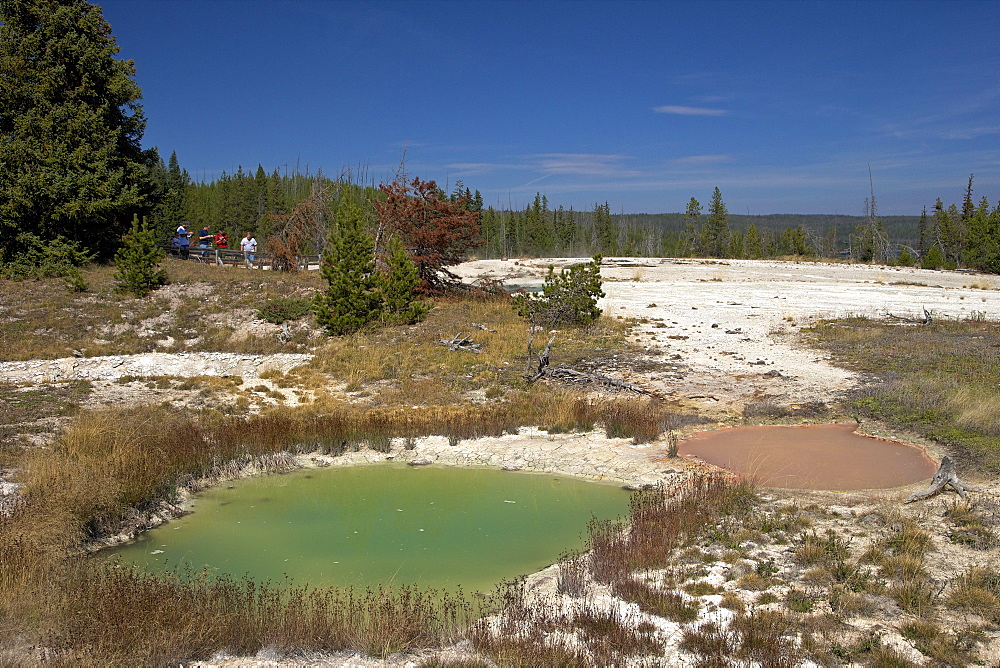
{"type": "Point", "coordinates": [221, 239]}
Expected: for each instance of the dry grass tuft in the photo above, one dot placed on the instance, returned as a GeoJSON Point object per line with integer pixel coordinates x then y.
{"type": "Point", "coordinates": [978, 591]}
{"type": "Point", "coordinates": [759, 638]}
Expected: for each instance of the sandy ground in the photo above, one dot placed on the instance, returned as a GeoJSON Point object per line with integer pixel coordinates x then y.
{"type": "Point", "coordinates": [730, 326]}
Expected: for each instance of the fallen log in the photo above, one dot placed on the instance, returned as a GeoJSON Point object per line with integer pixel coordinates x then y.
{"type": "Point", "coordinates": [945, 477]}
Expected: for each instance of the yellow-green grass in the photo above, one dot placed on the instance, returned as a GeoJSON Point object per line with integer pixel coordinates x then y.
{"type": "Point", "coordinates": [940, 380]}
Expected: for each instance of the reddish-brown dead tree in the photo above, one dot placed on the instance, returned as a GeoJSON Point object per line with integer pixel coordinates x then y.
{"type": "Point", "coordinates": [436, 232]}
{"type": "Point", "coordinates": [304, 226]}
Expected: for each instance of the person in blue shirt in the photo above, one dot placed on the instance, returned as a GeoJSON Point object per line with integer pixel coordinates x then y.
{"type": "Point", "coordinates": [204, 239]}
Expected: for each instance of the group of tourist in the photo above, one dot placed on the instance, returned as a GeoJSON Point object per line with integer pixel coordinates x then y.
{"type": "Point", "coordinates": [206, 240]}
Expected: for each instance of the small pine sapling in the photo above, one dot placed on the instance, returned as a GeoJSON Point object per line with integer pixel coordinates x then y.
{"type": "Point", "coordinates": [401, 283]}
{"type": "Point", "coordinates": [353, 298]}
{"type": "Point", "coordinates": [138, 261]}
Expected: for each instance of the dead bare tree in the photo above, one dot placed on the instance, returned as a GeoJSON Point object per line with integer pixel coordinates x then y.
{"type": "Point", "coordinates": [306, 222]}
{"type": "Point", "coordinates": [877, 235]}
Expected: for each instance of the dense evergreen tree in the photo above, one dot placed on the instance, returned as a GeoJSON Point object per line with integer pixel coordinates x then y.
{"type": "Point", "coordinates": [934, 259]}
{"type": "Point", "coordinates": [983, 251]}
{"type": "Point", "coordinates": [948, 232]}
{"type": "Point", "coordinates": [71, 163]}
{"type": "Point", "coordinates": [736, 247]}
{"type": "Point", "coordinates": [605, 229]}
{"type": "Point", "coordinates": [171, 183]}
{"type": "Point", "coordinates": [752, 249]}
{"type": "Point", "coordinates": [564, 223]}
{"type": "Point", "coordinates": [538, 227]}
{"type": "Point", "coordinates": [401, 282]}
{"type": "Point", "coordinates": [691, 241]}
{"type": "Point", "coordinates": [567, 298]}
{"type": "Point", "coordinates": [794, 241]}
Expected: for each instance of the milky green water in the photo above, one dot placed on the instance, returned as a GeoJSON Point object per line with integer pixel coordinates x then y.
{"type": "Point", "coordinates": [382, 524]}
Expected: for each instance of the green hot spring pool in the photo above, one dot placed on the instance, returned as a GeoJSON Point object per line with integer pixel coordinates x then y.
{"type": "Point", "coordinates": [380, 525]}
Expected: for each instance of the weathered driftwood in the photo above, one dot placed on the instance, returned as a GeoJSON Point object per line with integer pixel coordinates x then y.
{"type": "Point", "coordinates": [945, 477]}
{"type": "Point", "coordinates": [926, 320]}
{"type": "Point", "coordinates": [459, 342]}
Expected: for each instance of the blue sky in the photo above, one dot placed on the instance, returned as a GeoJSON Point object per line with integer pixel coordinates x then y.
{"type": "Point", "coordinates": [782, 105]}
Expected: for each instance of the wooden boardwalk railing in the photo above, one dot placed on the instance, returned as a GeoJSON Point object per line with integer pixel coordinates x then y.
{"type": "Point", "coordinates": [238, 258]}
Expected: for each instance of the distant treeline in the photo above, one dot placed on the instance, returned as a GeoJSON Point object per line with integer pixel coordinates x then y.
{"type": "Point", "coordinates": [568, 233]}
{"type": "Point", "coordinates": [951, 236]}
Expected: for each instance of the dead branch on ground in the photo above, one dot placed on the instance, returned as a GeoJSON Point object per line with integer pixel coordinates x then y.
{"type": "Point", "coordinates": [926, 320]}
{"type": "Point", "coordinates": [566, 375]}
{"type": "Point", "coordinates": [460, 342]}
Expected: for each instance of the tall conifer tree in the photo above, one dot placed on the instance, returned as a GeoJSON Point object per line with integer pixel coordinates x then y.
{"type": "Point", "coordinates": [717, 228]}
{"type": "Point", "coordinates": [751, 245]}
{"type": "Point", "coordinates": [71, 163]}
{"type": "Point", "coordinates": [692, 228]}
{"type": "Point", "coordinates": [605, 229]}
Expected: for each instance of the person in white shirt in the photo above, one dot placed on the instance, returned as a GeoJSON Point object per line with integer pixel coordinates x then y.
{"type": "Point", "coordinates": [248, 245]}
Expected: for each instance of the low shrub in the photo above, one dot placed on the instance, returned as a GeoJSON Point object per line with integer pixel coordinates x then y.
{"type": "Point", "coordinates": [799, 601]}
{"type": "Point", "coordinates": [567, 298]}
{"type": "Point", "coordinates": [283, 309]}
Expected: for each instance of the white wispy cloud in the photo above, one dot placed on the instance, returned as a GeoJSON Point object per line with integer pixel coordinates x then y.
{"type": "Point", "coordinates": [591, 164]}
{"type": "Point", "coordinates": [710, 159]}
{"type": "Point", "coordinates": [964, 117]}
{"type": "Point", "coordinates": [689, 111]}
{"type": "Point", "coordinates": [475, 167]}
{"type": "Point", "coordinates": [972, 132]}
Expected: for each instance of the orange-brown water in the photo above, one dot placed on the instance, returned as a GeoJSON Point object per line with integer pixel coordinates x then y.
{"type": "Point", "coordinates": [829, 456]}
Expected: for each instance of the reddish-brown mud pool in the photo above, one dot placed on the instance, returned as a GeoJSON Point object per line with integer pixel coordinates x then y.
{"type": "Point", "coordinates": [828, 456]}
